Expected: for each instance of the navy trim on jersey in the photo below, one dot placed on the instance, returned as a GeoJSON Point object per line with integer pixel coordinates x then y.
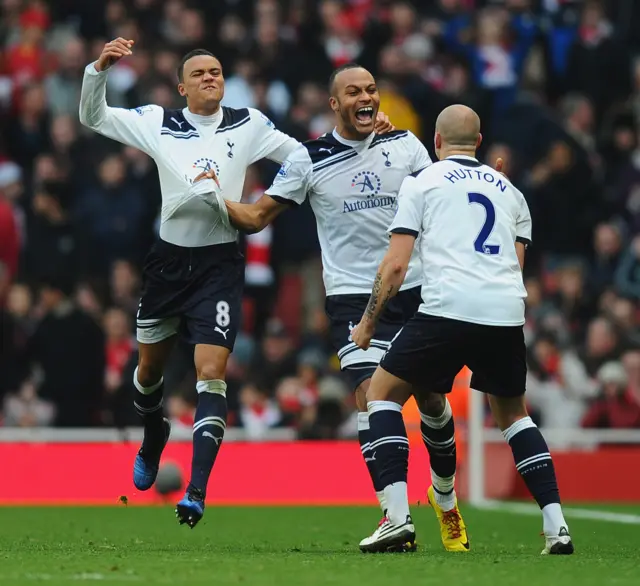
{"type": "Point", "coordinates": [464, 162]}
{"type": "Point", "coordinates": [181, 135]}
{"type": "Point", "coordinates": [524, 241]}
{"type": "Point", "coordinates": [176, 125]}
{"type": "Point", "coordinates": [393, 135]}
{"type": "Point", "coordinates": [406, 231]}
{"type": "Point", "coordinates": [416, 173]}
{"type": "Point", "coordinates": [232, 118]}
{"type": "Point", "coordinates": [325, 147]}
{"type": "Point", "coordinates": [282, 200]}
{"type": "Point", "coordinates": [335, 160]}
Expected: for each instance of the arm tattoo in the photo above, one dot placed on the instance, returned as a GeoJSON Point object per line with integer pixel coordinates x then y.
{"type": "Point", "coordinates": [373, 300]}
{"type": "Point", "coordinates": [388, 296]}
{"type": "Point", "coordinates": [379, 299]}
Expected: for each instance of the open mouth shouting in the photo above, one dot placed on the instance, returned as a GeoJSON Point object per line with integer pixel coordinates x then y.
{"type": "Point", "coordinates": [364, 116]}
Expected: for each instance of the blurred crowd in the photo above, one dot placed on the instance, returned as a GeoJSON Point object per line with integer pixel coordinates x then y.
{"type": "Point", "coordinates": [556, 82]}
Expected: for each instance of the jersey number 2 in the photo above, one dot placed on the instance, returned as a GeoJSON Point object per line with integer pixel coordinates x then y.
{"type": "Point", "coordinates": [480, 243]}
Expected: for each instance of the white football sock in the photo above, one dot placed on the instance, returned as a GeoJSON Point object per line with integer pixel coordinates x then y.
{"type": "Point", "coordinates": [553, 519]}
{"type": "Point", "coordinates": [397, 502]}
{"type": "Point", "coordinates": [382, 500]}
{"type": "Point", "coordinates": [445, 485]}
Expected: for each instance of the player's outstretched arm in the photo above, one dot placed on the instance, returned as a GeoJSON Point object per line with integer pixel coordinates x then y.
{"type": "Point", "coordinates": [391, 274]}
{"type": "Point", "coordinates": [139, 127]}
{"type": "Point", "coordinates": [254, 217]}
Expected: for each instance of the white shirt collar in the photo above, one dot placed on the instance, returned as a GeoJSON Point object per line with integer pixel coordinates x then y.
{"type": "Point", "coordinates": [213, 119]}
{"type": "Point", "coordinates": [353, 143]}
{"type": "Point", "coordinates": [465, 157]}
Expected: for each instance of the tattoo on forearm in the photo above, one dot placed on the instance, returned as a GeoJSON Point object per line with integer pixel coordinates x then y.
{"type": "Point", "coordinates": [379, 299]}
{"type": "Point", "coordinates": [389, 295]}
{"type": "Point", "coordinates": [370, 312]}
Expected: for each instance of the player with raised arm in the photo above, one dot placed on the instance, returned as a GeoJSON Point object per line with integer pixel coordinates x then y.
{"type": "Point", "coordinates": [352, 178]}
{"type": "Point", "coordinates": [472, 226]}
{"type": "Point", "coordinates": [193, 276]}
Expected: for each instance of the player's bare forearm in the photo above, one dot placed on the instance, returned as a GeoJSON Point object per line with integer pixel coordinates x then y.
{"type": "Point", "coordinates": [254, 217]}
{"type": "Point", "coordinates": [244, 217]}
{"type": "Point", "coordinates": [385, 286]}
{"type": "Point", "coordinates": [387, 283]}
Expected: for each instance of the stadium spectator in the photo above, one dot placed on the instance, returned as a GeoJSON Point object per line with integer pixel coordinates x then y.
{"type": "Point", "coordinates": [17, 325]}
{"type": "Point", "coordinates": [276, 358]}
{"type": "Point", "coordinates": [607, 247]}
{"type": "Point", "coordinates": [594, 50]}
{"type": "Point", "coordinates": [63, 86]}
{"type": "Point", "coordinates": [113, 211]}
{"type": "Point", "coordinates": [69, 374]}
{"type": "Point", "coordinates": [631, 363]}
{"type": "Point", "coordinates": [125, 284]}
{"type": "Point", "coordinates": [54, 241]}
{"type": "Point", "coordinates": [10, 218]}
{"type": "Point", "coordinates": [26, 409]}
{"type": "Point", "coordinates": [26, 59]}
{"type": "Point", "coordinates": [557, 384]}
{"type": "Point", "coordinates": [118, 346]}
{"type": "Point", "coordinates": [616, 407]}
{"type": "Point", "coordinates": [29, 130]}
{"type": "Point", "coordinates": [258, 412]}
{"type": "Point", "coordinates": [628, 274]}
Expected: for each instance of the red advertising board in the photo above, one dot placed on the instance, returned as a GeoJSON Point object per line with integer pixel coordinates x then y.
{"type": "Point", "coordinates": [282, 473]}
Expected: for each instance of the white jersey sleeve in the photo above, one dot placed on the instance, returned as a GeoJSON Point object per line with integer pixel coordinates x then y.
{"type": "Point", "coordinates": [269, 142]}
{"type": "Point", "coordinates": [292, 182]}
{"type": "Point", "coordinates": [523, 222]}
{"type": "Point", "coordinates": [421, 159]}
{"type": "Point", "coordinates": [411, 207]}
{"type": "Point", "coordinates": [139, 128]}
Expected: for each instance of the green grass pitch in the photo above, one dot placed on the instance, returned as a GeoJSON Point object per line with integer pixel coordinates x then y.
{"type": "Point", "coordinates": [297, 547]}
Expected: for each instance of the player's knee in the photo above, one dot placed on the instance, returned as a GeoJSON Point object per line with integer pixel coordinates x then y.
{"type": "Point", "coordinates": [147, 373]}
{"type": "Point", "coordinates": [210, 370]}
{"type": "Point", "coordinates": [379, 388]}
{"type": "Point", "coordinates": [210, 362]}
{"type": "Point", "coordinates": [361, 396]}
{"type": "Point", "coordinates": [433, 405]}
{"type": "Point", "coordinates": [508, 410]}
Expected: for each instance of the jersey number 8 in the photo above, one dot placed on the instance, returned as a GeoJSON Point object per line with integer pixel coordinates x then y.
{"type": "Point", "coordinates": [222, 316]}
{"type": "Point", "coordinates": [480, 243]}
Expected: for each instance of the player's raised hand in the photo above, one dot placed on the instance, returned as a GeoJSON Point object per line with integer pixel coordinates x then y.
{"type": "Point", "coordinates": [361, 335]}
{"type": "Point", "coordinates": [112, 53]}
{"type": "Point", "coordinates": [383, 124]}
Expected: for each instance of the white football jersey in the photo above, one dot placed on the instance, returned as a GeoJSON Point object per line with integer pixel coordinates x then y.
{"type": "Point", "coordinates": [352, 187]}
{"type": "Point", "coordinates": [183, 145]}
{"type": "Point", "coordinates": [468, 217]}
